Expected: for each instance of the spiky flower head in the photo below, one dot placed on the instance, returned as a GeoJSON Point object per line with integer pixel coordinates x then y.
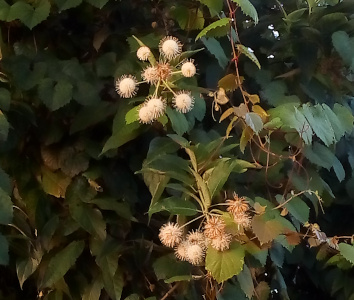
{"type": "Point", "coordinates": [170, 234]}
{"type": "Point", "coordinates": [196, 237]}
{"type": "Point", "coordinates": [221, 242]}
{"type": "Point", "coordinates": [145, 115]}
{"type": "Point", "coordinates": [183, 101]}
{"type": "Point", "coordinates": [156, 105]}
{"type": "Point", "coordinates": [163, 70]}
{"type": "Point", "coordinates": [181, 250]}
{"type": "Point", "coordinates": [170, 47]}
{"type": "Point", "coordinates": [195, 254]}
{"type": "Point", "coordinates": [126, 86]}
{"type": "Point", "coordinates": [150, 75]}
{"type": "Point", "coordinates": [143, 53]}
{"type": "Point", "coordinates": [238, 205]}
{"type": "Point", "coordinates": [214, 226]}
{"type": "Point", "coordinates": [243, 219]}
{"type": "Point", "coordinates": [188, 68]}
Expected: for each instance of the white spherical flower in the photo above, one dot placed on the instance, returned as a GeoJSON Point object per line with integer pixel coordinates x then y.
{"type": "Point", "coordinates": [183, 102]}
{"type": "Point", "coordinates": [188, 68]}
{"type": "Point", "coordinates": [243, 219]}
{"type": "Point", "coordinates": [170, 234]}
{"type": "Point", "coordinates": [145, 115]}
{"type": "Point", "coordinates": [181, 251]}
{"type": "Point", "coordinates": [150, 74]}
{"type": "Point", "coordinates": [126, 86]}
{"type": "Point", "coordinates": [156, 105]}
{"type": "Point", "coordinates": [195, 254]}
{"type": "Point", "coordinates": [170, 47]}
{"type": "Point", "coordinates": [143, 53]}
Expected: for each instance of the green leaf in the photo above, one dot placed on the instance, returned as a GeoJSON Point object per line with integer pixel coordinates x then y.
{"type": "Point", "coordinates": [61, 262]}
{"type": "Point", "coordinates": [344, 45]}
{"type": "Point", "coordinates": [248, 9]}
{"type": "Point", "coordinates": [224, 264]}
{"type": "Point", "coordinates": [215, 6]}
{"type": "Point", "coordinates": [297, 207]}
{"type": "Point", "coordinates": [93, 290]}
{"type": "Point", "coordinates": [122, 132]}
{"type": "Point", "coordinates": [167, 267]}
{"type": "Point", "coordinates": [214, 47]}
{"type": "Point", "coordinates": [6, 210]}
{"type": "Point", "coordinates": [246, 51]}
{"type": "Point", "coordinates": [347, 251]}
{"type": "Point", "coordinates": [106, 64]}
{"type": "Point", "coordinates": [86, 93]}
{"type": "Point", "coordinates": [121, 209]}
{"type": "Point", "coordinates": [246, 282]}
{"type": "Point", "coordinates": [4, 127]}
{"type": "Point", "coordinates": [178, 121]}
{"type": "Point", "coordinates": [54, 183]}
{"type": "Point", "coordinates": [254, 121]}
{"type": "Point", "coordinates": [5, 182]}
{"type": "Point", "coordinates": [5, 99]}
{"type": "Point", "coordinates": [55, 96]}
{"type": "Point", "coordinates": [345, 116]}
{"type": "Point", "coordinates": [218, 175]}
{"type": "Point", "coordinates": [66, 4]}
{"type": "Point", "coordinates": [26, 267]}
{"type": "Point", "coordinates": [113, 283]}
{"type": "Point", "coordinates": [97, 3]}
{"type": "Point", "coordinates": [188, 19]}
{"type": "Point", "coordinates": [132, 115]}
{"type": "Point", "coordinates": [175, 206]}
{"type": "Point", "coordinates": [277, 254]}
{"type": "Point", "coordinates": [199, 107]}
{"type": "Point", "coordinates": [266, 230]}
{"type": "Point", "coordinates": [262, 291]}
{"type": "Point", "coordinates": [4, 251]}
{"type": "Point", "coordinates": [215, 29]}
{"type": "Point", "coordinates": [29, 15]}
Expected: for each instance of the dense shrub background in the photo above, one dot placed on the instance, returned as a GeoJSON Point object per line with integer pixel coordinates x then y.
{"type": "Point", "coordinates": [73, 202]}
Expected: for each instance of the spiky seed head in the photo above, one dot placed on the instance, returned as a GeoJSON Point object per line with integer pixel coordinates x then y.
{"type": "Point", "coordinates": [221, 242]}
{"type": "Point", "coordinates": [126, 86]}
{"type": "Point", "coordinates": [170, 47]}
{"type": "Point", "coordinates": [195, 254]}
{"type": "Point", "coordinates": [145, 115]}
{"type": "Point", "coordinates": [238, 205]}
{"type": "Point", "coordinates": [143, 53]}
{"type": "Point", "coordinates": [214, 226]}
{"type": "Point", "coordinates": [196, 237]}
{"type": "Point", "coordinates": [183, 102]}
{"type": "Point", "coordinates": [170, 234]}
{"type": "Point", "coordinates": [181, 250]}
{"type": "Point", "coordinates": [150, 74]}
{"type": "Point", "coordinates": [156, 105]}
{"type": "Point", "coordinates": [188, 68]}
{"type": "Point", "coordinates": [243, 219]}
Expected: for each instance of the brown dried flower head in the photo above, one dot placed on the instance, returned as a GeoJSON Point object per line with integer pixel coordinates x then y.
{"type": "Point", "coordinates": [221, 242]}
{"type": "Point", "coordinates": [163, 70]}
{"type": "Point", "coordinates": [214, 226]}
{"type": "Point", "coordinates": [170, 234]}
{"type": "Point", "coordinates": [196, 237]}
{"type": "Point", "coordinates": [243, 219]}
{"type": "Point", "coordinates": [238, 205]}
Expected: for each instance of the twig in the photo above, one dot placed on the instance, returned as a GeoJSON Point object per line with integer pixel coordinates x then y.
{"type": "Point", "coordinates": [170, 291]}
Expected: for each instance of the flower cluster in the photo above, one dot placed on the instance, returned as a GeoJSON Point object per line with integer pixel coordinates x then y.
{"type": "Point", "coordinates": [238, 208]}
{"type": "Point", "coordinates": [162, 74]}
{"type": "Point", "coordinates": [214, 230]}
{"type": "Point", "coordinates": [191, 248]}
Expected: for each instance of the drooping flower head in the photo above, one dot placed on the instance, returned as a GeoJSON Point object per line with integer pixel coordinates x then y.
{"type": "Point", "coordinates": [150, 75]}
{"type": "Point", "coordinates": [183, 102]}
{"type": "Point", "coordinates": [170, 234]}
{"type": "Point", "coordinates": [181, 250]}
{"type": "Point", "coordinates": [156, 105]}
{"type": "Point", "coordinates": [145, 115]}
{"type": "Point", "coordinates": [188, 68]}
{"type": "Point", "coordinates": [221, 242]}
{"type": "Point", "coordinates": [126, 86]}
{"type": "Point", "coordinates": [170, 47]}
{"type": "Point", "coordinates": [238, 205]}
{"type": "Point", "coordinates": [214, 227]}
{"type": "Point", "coordinates": [143, 53]}
{"type": "Point", "coordinates": [195, 254]}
